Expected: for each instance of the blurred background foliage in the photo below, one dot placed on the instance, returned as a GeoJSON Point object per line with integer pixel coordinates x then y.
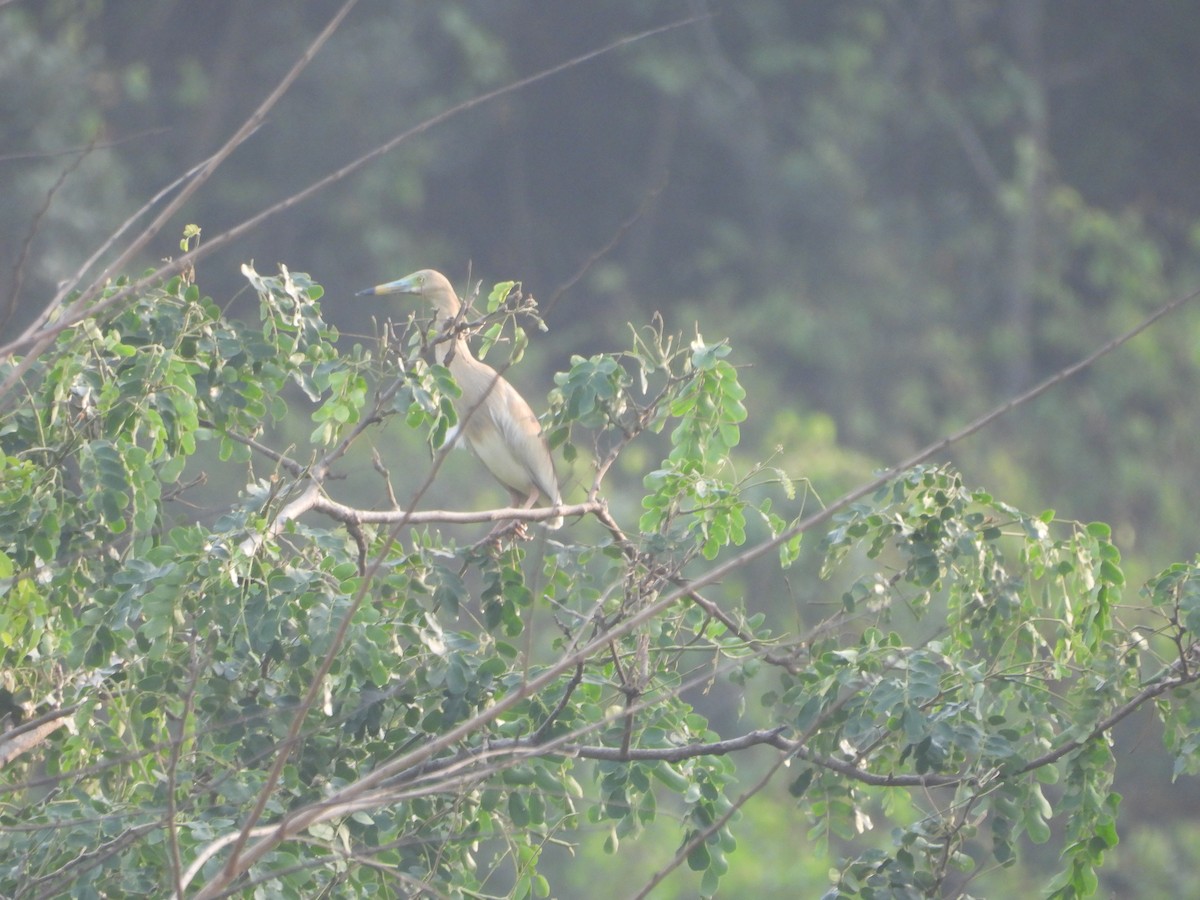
{"type": "Point", "coordinates": [899, 213]}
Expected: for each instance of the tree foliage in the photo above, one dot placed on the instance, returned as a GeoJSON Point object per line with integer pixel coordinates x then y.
{"type": "Point", "coordinates": [355, 700]}
{"type": "Point", "coordinates": [251, 639]}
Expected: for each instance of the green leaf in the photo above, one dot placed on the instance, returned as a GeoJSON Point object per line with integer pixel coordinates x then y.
{"type": "Point", "coordinates": [698, 857]}
{"type": "Point", "coordinates": [499, 294]}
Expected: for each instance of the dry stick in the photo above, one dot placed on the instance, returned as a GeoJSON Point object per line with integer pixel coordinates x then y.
{"type": "Point", "coordinates": [618, 236]}
{"type": "Point", "coordinates": [79, 309]}
{"type": "Point", "coordinates": [72, 283]}
{"type": "Point", "coordinates": [211, 850]}
{"type": "Point", "coordinates": [24, 738]}
{"type": "Point", "coordinates": [658, 877]}
{"type": "Point", "coordinates": [282, 459]}
{"type": "Point", "coordinates": [91, 145]}
{"type": "Point", "coordinates": [356, 516]}
{"type": "Point", "coordinates": [32, 330]}
{"type": "Point", "coordinates": [78, 313]}
{"type": "Point", "coordinates": [172, 820]}
{"type": "Point", "coordinates": [18, 279]}
{"type": "Point", "coordinates": [58, 883]}
{"type": "Point", "coordinates": [302, 818]}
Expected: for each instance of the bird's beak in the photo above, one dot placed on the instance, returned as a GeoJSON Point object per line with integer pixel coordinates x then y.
{"type": "Point", "coordinates": [403, 286]}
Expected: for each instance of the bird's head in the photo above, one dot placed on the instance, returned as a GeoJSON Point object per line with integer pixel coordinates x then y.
{"type": "Point", "coordinates": [433, 286]}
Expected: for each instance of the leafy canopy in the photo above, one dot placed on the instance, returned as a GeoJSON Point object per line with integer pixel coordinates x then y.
{"type": "Point", "coordinates": [296, 694]}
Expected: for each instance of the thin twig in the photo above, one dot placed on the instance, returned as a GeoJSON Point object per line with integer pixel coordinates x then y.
{"type": "Point", "coordinates": [703, 834]}
{"type": "Point", "coordinates": [91, 145]}
{"type": "Point", "coordinates": [619, 235]}
{"type": "Point", "coordinates": [177, 740]}
{"type": "Point", "coordinates": [18, 279]}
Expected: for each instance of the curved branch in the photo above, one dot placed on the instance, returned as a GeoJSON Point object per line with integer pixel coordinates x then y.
{"type": "Point", "coordinates": [286, 462]}
{"type": "Point", "coordinates": [1151, 691]}
{"type": "Point", "coordinates": [18, 276]}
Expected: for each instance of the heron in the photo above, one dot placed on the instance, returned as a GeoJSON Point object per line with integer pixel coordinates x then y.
{"type": "Point", "coordinates": [498, 424]}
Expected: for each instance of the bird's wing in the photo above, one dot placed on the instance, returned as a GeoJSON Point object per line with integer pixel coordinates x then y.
{"type": "Point", "coordinates": [523, 432]}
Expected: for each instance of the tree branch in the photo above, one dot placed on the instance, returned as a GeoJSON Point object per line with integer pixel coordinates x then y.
{"type": "Point", "coordinates": [78, 311]}
{"type": "Point", "coordinates": [771, 737]}
{"type": "Point", "coordinates": [18, 278]}
{"type": "Point", "coordinates": [83, 308]}
{"type": "Point", "coordinates": [1152, 690]}
{"type": "Point", "coordinates": [353, 515]}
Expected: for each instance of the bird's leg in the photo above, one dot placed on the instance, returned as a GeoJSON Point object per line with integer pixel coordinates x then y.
{"type": "Point", "coordinates": [519, 528]}
{"type": "Point", "coordinates": [516, 526]}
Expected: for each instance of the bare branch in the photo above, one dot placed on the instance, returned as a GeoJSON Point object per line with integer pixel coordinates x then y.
{"type": "Point", "coordinates": [702, 835]}
{"type": "Point", "coordinates": [83, 306]}
{"type": "Point", "coordinates": [619, 235]}
{"type": "Point", "coordinates": [91, 145]}
{"type": "Point", "coordinates": [771, 737]}
{"type": "Point", "coordinates": [357, 516]}
{"type": "Point", "coordinates": [177, 741]}
{"type": "Point", "coordinates": [73, 282]}
{"type": "Point", "coordinates": [292, 466]}
{"type": "Point", "coordinates": [80, 310]}
{"type": "Point", "coordinates": [18, 278]}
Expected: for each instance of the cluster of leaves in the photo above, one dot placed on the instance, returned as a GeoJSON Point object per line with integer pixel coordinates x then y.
{"type": "Point", "coordinates": [1013, 689]}
{"type": "Point", "coordinates": [183, 661]}
{"type": "Point", "coordinates": [411, 714]}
